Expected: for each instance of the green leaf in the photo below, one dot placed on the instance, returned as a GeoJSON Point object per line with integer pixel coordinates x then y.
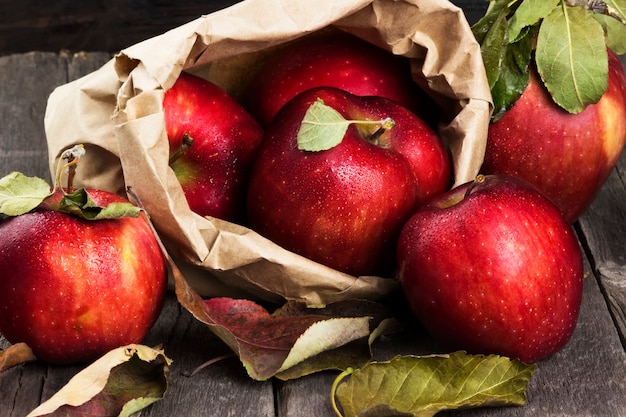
{"type": "Point", "coordinates": [506, 63]}
{"type": "Point", "coordinates": [481, 28]}
{"type": "Point", "coordinates": [20, 194]}
{"type": "Point", "coordinates": [529, 13]}
{"type": "Point", "coordinates": [494, 40]}
{"type": "Point", "coordinates": [120, 383]}
{"type": "Point", "coordinates": [514, 73]}
{"type": "Point", "coordinates": [80, 203]}
{"type": "Point", "coordinates": [615, 33]}
{"type": "Point", "coordinates": [495, 6]}
{"type": "Point", "coordinates": [424, 385]}
{"type": "Point", "coordinates": [571, 57]}
{"type": "Point", "coordinates": [322, 128]}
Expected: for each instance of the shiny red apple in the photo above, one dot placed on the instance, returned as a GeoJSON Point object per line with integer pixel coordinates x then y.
{"type": "Point", "coordinates": [493, 266]}
{"type": "Point", "coordinates": [334, 59]}
{"type": "Point", "coordinates": [73, 289]}
{"type": "Point", "coordinates": [344, 206]}
{"type": "Point", "coordinates": [566, 156]}
{"type": "Point", "coordinates": [212, 140]}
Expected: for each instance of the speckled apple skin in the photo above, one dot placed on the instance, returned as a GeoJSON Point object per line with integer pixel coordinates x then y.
{"type": "Point", "coordinates": [214, 171]}
{"type": "Point", "coordinates": [332, 60]}
{"type": "Point", "coordinates": [498, 271]}
{"type": "Point", "coordinates": [567, 156]}
{"type": "Point", "coordinates": [73, 289]}
{"type": "Point", "coordinates": [344, 207]}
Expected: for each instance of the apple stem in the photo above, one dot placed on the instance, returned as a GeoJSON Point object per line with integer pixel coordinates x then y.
{"type": "Point", "coordinates": [71, 156]}
{"type": "Point", "coordinates": [385, 125]}
{"type": "Point", "coordinates": [71, 173]}
{"type": "Point", "coordinates": [480, 178]}
{"type": "Point", "coordinates": [596, 6]}
{"type": "Point", "coordinates": [333, 390]}
{"type": "Point", "coordinates": [186, 143]}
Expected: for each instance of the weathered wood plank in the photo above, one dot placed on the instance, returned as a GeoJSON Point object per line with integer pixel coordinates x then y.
{"type": "Point", "coordinates": [37, 25]}
{"type": "Point", "coordinates": [604, 228]}
{"type": "Point", "coordinates": [26, 81]}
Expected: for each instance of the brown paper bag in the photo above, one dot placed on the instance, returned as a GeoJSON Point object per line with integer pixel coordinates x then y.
{"type": "Point", "coordinates": [117, 113]}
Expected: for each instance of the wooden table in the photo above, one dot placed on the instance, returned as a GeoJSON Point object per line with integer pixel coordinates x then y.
{"type": "Point", "coordinates": [586, 378]}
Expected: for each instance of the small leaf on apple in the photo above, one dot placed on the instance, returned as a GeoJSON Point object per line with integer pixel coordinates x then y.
{"type": "Point", "coordinates": [80, 204]}
{"type": "Point", "coordinates": [571, 58]}
{"type": "Point", "coordinates": [322, 128]}
{"type": "Point", "coordinates": [20, 194]}
{"type": "Point", "coordinates": [122, 382]}
{"type": "Point", "coordinates": [424, 385]}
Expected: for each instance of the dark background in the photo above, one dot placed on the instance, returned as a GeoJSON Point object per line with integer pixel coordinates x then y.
{"type": "Point", "coordinates": [111, 25]}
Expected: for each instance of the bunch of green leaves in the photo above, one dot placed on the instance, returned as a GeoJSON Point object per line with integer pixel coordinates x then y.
{"type": "Point", "coordinates": [566, 40]}
{"type": "Point", "coordinates": [20, 194]}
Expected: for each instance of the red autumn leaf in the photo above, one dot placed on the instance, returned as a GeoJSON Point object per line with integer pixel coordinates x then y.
{"type": "Point", "coordinates": [270, 344]}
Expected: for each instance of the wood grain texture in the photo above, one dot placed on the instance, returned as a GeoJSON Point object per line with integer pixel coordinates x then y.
{"type": "Point", "coordinates": [26, 81]}
{"type": "Point", "coordinates": [604, 230]}
{"type": "Point", "coordinates": [52, 26]}
{"type": "Point", "coordinates": [38, 25]}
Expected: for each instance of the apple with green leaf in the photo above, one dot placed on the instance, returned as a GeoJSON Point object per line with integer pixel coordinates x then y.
{"type": "Point", "coordinates": [560, 97]}
{"type": "Point", "coordinates": [81, 272]}
{"type": "Point", "coordinates": [213, 141]}
{"type": "Point", "coordinates": [493, 266]}
{"type": "Point", "coordinates": [337, 175]}
{"type": "Point", "coordinates": [334, 59]}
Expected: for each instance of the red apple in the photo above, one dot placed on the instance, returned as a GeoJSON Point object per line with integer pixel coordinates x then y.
{"type": "Point", "coordinates": [73, 289]}
{"type": "Point", "coordinates": [344, 206]}
{"type": "Point", "coordinates": [335, 60]}
{"type": "Point", "coordinates": [214, 170]}
{"type": "Point", "coordinates": [493, 266]}
{"type": "Point", "coordinates": [566, 156]}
